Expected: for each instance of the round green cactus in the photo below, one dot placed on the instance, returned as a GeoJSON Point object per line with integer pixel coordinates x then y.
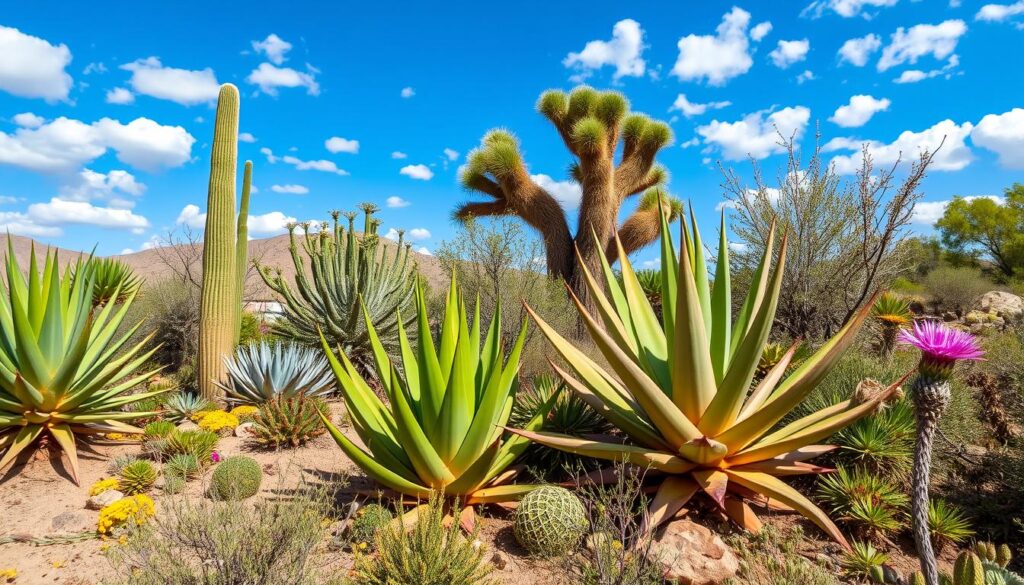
{"type": "Point", "coordinates": [137, 477]}
{"type": "Point", "coordinates": [236, 478]}
{"type": "Point", "coordinates": [369, 519]}
{"type": "Point", "coordinates": [550, 521]}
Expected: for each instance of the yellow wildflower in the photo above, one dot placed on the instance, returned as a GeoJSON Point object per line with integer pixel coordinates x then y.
{"type": "Point", "coordinates": [245, 412]}
{"type": "Point", "coordinates": [137, 509]}
{"type": "Point", "coordinates": [362, 546]}
{"type": "Point", "coordinates": [8, 575]}
{"type": "Point", "coordinates": [217, 421]}
{"type": "Point", "coordinates": [616, 545]}
{"type": "Point", "coordinates": [111, 483]}
{"type": "Point", "coordinates": [58, 564]}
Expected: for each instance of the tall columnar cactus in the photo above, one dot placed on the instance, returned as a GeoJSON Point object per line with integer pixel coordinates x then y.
{"type": "Point", "coordinates": [941, 348]}
{"type": "Point", "coordinates": [242, 247]}
{"type": "Point", "coordinates": [218, 311]}
{"type": "Point", "coordinates": [350, 275]}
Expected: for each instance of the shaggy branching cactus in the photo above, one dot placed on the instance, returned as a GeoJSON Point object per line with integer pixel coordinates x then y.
{"type": "Point", "coordinates": [592, 124]}
{"type": "Point", "coordinates": [550, 521]}
{"type": "Point", "coordinates": [339, 275]}
{"type": "Point", "coordinates": [258, 373]}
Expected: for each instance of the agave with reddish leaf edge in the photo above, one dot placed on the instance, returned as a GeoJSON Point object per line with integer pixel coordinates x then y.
{"type": "Point", "coordinates": [442, 429]}
{"type": "Point", "coordinates": [681, 389]}
{"type": "Point", "coordinates": [63, 370]}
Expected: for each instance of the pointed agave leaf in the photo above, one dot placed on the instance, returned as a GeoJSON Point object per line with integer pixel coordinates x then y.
{"type": "Point", "coordinates": [659, 460]}
{"type": "Point", "coordinates": [424, 457]}
{"type": "Point", "coordinates": [767, 384]}
{"type": "Point", "coordinates": [22, 439]}
{"type": "Point", "coordinates": [66, 439]}
{"type": "Point", "coordinates": [477, 473]}
{"type": "Point", "coordinates": [458, 406]}
{"type": "Point", "coordinates": [432, 380]}
{"type": "Point", "coordinates": [693, 377]}
{"type": "Point", "coordinates": [758, 284]}
{"type": "Point", "coordinates": [739, 512]}
{"type": "Point", "coordinates": [501, 493]}
{"type": "Point", "coordinates": [700, 272]}
{"type": "Point", "coordinates": [721, 309]}
{"type": "Point", "coordinates": [673, 493]}
{"type": "Point", "coordinates": [669, 282]}
{"type": "Point", "coordinates": [780, 468]}
{"type": "Point", "coordinates": [714, 483]}
{"type": "Point", "coordinates": [606, 311]}
{"type": "Point", "coordinates": [380, 473]}
{"type": "Point", "coordinates": [650, 339]}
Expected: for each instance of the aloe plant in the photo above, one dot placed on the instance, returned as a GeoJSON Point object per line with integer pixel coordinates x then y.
{"type": "Point", "coordinates": [681, 389]}
{"type": "Point", "coordinates": [64, 369]}
{"type": "Point", "coordinates": [441, 429]}
{"type": "Point", "coordinates": [110, 276]}
{"type": "Point", "coordinates": [261, 372]}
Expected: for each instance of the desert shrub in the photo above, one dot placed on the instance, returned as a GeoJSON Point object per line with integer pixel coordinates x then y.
{"type": "Point", "coordinates": [955, 289]}
{"type": "Point", "coordinates": [199, 542]}
{"type": "Point", "coordinates": [772, 557]}
{"type": "Point", "coordinates": [236, 478]}
{"type": "Point", "coordinates": [289, 421]}
{"type": "Point", "coordinates": [170, 310]}
{"type": "Point", "coordinates": [369, 520]}
{"type": "Point", "coordinates": [428, 554]}
{"type": "Point", "coordinates": [253, 330]}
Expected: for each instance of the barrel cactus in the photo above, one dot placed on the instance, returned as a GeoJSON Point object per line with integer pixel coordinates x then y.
{"type": "Point", "coordinates": [236, 478]}
{"type": "Point", "coordinates": [550, 521]}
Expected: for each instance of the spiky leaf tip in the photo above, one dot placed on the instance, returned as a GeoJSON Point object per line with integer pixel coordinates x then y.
{"type": "Point", "coordinates": [581, 101]}
{"type": "Point", "coordinates": [503, 159]}
{"type": "Point", "coordinates": [500, 136]}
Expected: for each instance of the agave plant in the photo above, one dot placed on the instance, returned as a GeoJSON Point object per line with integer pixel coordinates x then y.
{"type": "Point", "coordinates": [63, 368]}
{"type": "Point", "coordinates": [261, 372]}
{"type": "Point", "coordinates": [681, 389]}
{"type": "Point", "coordinates": [346, 270]}
{"type": "Point", "coordinates": [441, 429]}
{"type": "Point", "coordinates": [184, 405]}
{"type": "Point", "coordinates": [113, 280]}
{"type": "Point", "coordinates": [892, 312]}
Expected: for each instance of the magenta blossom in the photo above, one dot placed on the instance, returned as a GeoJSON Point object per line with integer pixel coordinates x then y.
{"type": "Point", "coordinates": [215, 457]}
{"type": "Point", "coordinates": [941, 346]}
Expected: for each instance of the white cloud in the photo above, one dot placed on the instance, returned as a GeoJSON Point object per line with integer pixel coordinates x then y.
{"type": "Point", "coordinates": [290, 189]}
{"type": "Point", "coordinates": [191, 216]}
{"type": "Point", "coordinates": [270, 223]}
{"type": "Point", "coordinates": [337, 144]}
{"type": "Point", "coordinates": [274, 47]}
{"type": "Point", "coordinates": [58, 212]}
{"type": "Point", "coordinates": [716, 58]}
{"type": "Point", "coordinates": [690, 109]}
{"type": "Point", "coordinates": [150, 77]}
{"type": "Point", "coordinates": [423, 250]}
{"type": "Point", "coordinates": [18, 223]}
{"type": "Point", "coordinates": [396, 202]}
{"type": "Point", "coordinates": [690, 143]}
{"type": "Point", "coordinates": [33, 68]}
{"type": "Point", "coordinates": [807, 75]}
{"type": "Point", "coordinates": [408, 92]}
{"type": "Point", "coordinates": [929, 212]}
{"type": "Point", "coordinates": [999, 12]}
{"type": "Point", "coordinates": [756, 135]}
{"type": "Point", "coordinates": [788, 52]}
{"type": "Point", "coordinates": [860, 109]}
{"type": "Point", "coordinates": [64, 144]}
{"type": "Point", "coordinates": [857, 51]}
{"type": "Point", "coordinates": [120, 96]}
{"type": "Point", "coordinates": [110, 186]}
{"type": "Point", "coordinates": [450, 154]}
{"type": "Point", "coordinates": [269, 78]}
{"type": "Point", "coordinates": [419, 234]}
{"type": "Point", "coordinates": [909, 45]}
{"type": "Point", "coordinates": [271, 158]}
{"type": "Point", "coordinates": [760, 31]}
{"type": "Point", "coordinates": [421, 172]}
{"type": "Point", "coordinates": [1003, 134]}
{"type": "Point", "coordinates": [623, 52]}
{"type": "Point", "coordinates": [845, 8]}
{"type": "Point", "coordinates": [28, 120]}
{"type": "Point", "coordinates": [916, 75]}
{"type": "Point", "coordinates": [323, 165]}
{"type": "Point", "coordinates": [94, 68]}
{"type": "Point", "coordinates": [567, 193]}
{"type": "Point", "coordinates": [398, 155]}
{"type": "Point", "coordinates": [953, 156]}
{"type": "Point", "coordinates": [246, 137]}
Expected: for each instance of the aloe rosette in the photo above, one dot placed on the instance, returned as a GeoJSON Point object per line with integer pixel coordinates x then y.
{"type": "Point", "coordinates": [681, 389]}
{"type": "Point", "coordinates": [447, 403]}
{"type": "Point", "coordinates": [64, 370]}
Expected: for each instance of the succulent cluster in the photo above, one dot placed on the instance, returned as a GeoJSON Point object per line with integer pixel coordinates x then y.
{"type": "Point", "coordinates": [550, 521]}
{"type": "Point", "coordinates": [113, 280]}
{"type": "Point", "coordinates": [289, 421]}
{"type": "Point", "coordinates": [258, 373]}
{"type": "Point", "coordinates": [137, 477]}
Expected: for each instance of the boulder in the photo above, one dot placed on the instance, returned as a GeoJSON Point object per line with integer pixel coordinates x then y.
{"type": "Point", "coordinates": [187, 426]}
{"type": "Point", "coordinates": [1007, 305]}
{"type": "Point", "coordinates": [242, 430]}
{"type": "Point", "coordinates": [693, 555]}
{"type": "Point", "coordinates": [68, 521]}
{"type": "Point", "coordinates": [103, 499]}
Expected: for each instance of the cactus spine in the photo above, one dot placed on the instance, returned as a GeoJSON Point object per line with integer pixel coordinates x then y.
{"type": "Point", "coordinates": [218, 311]}
{"type": "Point", "coordinates": [242, 248]}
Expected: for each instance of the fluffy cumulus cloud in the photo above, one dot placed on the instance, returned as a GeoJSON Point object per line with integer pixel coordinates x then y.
{"type": "Point", "coordinates": [271, 223]}
{"type": "Point", "coordinates": [183, 86]}
{"type": "Point", "coordinates": [860, 109]}
{"type": "Point", "coordinates": [410, 235]}
{"type": "Point", "coordinates": [423, 250]}
{"type": "Point", "coordinates": [396, 202]}
{"type": "Point", "coordinates": [32, 67]}
{"type": "Point", "coordinates": [909, 45]}
{"type": "Point", "coordinates": [408, 92]}
{"type": "Point", "coordinates": [337, 144]}
{"type": "Point", "coordinates": [59, 212]}
{"type": "Point", "coordinates": [788, 52]}
{"type": "Point", "coordinates": [1003, 134]}
{"type": "Point", "coordinates": [322, 165]}
{"type": "Point", "coordinates": [567, 193]}
{"type": "Point", "coordinates": [290, 189]}
{"type": "Point", "coordinates": [65, 144]}
{"type": "Point", "coordinates": [953, 156]}
{"type": "Point", "coordinates": [760, 31]}
{"type": "Point", "coordinates": [273, 47]}
{"type": "Point", "coordinates": [845, 8]}
{"type": "Point", "coordinates": [916, 75]}
{"type": "Point", "coordinates": [270, 78]}
{"type": "Point", "coordinates": [451, 155]}
{"type": "Point", "coordinates": [719, 57]}
{"type": "Point", "coordinates": [120, 96]}
{"type": "Point", "coordinates": [857, 51]}
{"type": "Point", "coordinates": [757, 134]}
{"type": "Point", "coordinates": [399, 155]}
{"type": "Point", "coordinates": [623, 52]}
{"type": "Point", "coordinates": [690, 109]}
{"type": "Point", "coordinates": [246, 137]}
{"type": "Point", "coordinates": [1000, 12]}
{"type": "Point", "coordinates": [28, 120]}
{"type": "Point", "coordinates": [112, 186]}
{"type": "Point", "coordinates": [420, 172]}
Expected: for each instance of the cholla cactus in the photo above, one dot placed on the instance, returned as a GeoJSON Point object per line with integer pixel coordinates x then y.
{"type": "Point", "coordinates": [351, 275]}
{"type": "Point", "coordinates": [550, 521]}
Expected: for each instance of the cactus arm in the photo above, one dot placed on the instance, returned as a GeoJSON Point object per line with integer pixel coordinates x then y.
{"type": "Point", "coordinates": [242, 246]}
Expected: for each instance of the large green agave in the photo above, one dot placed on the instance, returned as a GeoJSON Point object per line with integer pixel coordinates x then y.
{"type": "Point", "coordinates": [681, 390]}
{"type": "Point", "coordinates": [442, 429]}
{"type": "Point", "coordinates": [57, 358]}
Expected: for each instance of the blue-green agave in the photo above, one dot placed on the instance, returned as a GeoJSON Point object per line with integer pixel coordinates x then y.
{"type": "Point", "coordinates": [260, 372]}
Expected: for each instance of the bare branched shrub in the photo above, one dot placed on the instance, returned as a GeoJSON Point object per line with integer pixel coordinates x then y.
{"type": "Point", "coordinates": [844, 236]}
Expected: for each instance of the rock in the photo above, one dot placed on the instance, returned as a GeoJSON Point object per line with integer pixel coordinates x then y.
{"type": "Point", "coordinates": [187, 426]}
{"type": "Point", "coordinates": [499, 560]}
{"type": "Point", "coordinates": [242, 430]}
{"type": "Point", "coordinates": [103, 499]}
{"type": "Point", "coordinates": [950, 316]}
{"type": "Point", "coordinates": [1007, 305]}
{"type": "Point", "coordinates": [693, 555]}
{"type": "Point", "coordinates": [67, 520]}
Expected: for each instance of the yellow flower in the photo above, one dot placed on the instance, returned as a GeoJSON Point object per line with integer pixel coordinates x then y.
{"type": "Point", "coordinates": [124, 436]}
{"type": "Point", "coordinates": [362, 546]}
{"type": "Point", "coordinates": [8, 575]}
{"type": "Point", "coordinates": [58, 564]}
{"type": "Point", "coordinates": [616, 545]}
{"type": "Point", "coordinates": [245, 412]}
{"type": "Point", "coordinates": [111, 483]}
{"type": "Point", "coordinates": [137, 509]}
{"type": "Point", "coordinates": [217, 421]}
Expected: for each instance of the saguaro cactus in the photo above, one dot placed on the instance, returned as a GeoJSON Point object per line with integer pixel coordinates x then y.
{"type": "Point", "coordinates": [242, 247]}
{"type": "Point", "coordinates": [219, 302]}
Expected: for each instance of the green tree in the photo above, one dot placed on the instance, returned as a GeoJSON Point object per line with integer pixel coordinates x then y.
{"type": "Point", "coordinates": [989, 228]}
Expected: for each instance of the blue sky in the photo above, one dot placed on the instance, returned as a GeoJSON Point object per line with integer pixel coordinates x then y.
{"type": "Point", "coordinates": [106, 107]}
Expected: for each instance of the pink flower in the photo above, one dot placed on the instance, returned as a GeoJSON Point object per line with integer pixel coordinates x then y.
{"type": "Point", "coordinates": [941, 346]}
{"type": "Point", "coordinates": [215, 457]}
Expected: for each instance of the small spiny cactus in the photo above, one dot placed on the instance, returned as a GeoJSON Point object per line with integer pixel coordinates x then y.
{"type": "Point", "coordinates": [550, 521]}
{"type": "Point", "coordinates": [968, 570]}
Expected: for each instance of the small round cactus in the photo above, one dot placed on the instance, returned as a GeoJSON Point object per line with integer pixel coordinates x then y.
{"type": "Point", "coordinates": [369, 519]}
{"type": "Point", "coordinates": [137, 477]}
{"type": "Point", "coordinates": [550, 521]}
{"type": "Point", "coordinates": [236, 478]}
